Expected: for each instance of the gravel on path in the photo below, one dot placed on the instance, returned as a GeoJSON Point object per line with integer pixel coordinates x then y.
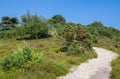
{"type": "Point", "coordinates": [98, 68]}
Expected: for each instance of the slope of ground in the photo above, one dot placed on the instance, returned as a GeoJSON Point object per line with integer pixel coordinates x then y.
{"type": "Point", "coordinates": [98, 68]}
{"type": "Point", "coordinates": [54, 62]}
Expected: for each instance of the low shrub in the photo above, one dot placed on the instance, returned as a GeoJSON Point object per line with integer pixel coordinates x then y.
{"type": "Point", "coordinates": [8, 34]}
{"type": "Point", "coordinates": [17, 59]}
{"type": "Point", "coordinates": [115, 69]}
{"type": "Point", "coordinates": [60, 69]}
{"type": "Point", "coordinates": [74, 49]}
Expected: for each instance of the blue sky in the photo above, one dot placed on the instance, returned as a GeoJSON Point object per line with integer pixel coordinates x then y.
{"type": "Point", "coordinates": [78, 11]}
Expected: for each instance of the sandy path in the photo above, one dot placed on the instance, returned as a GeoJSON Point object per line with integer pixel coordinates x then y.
{"type": "Point", "coordinates": [98, 68]}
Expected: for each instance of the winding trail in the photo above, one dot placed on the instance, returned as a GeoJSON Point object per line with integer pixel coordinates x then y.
{"type": "Point", "coordinates": [98, 68]}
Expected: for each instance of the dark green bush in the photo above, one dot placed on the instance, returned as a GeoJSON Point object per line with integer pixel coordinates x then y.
{"type": "Point", "coordinates": [8, 34]}
{"type": "Point", "coordinates": [57, 19]}
{"type": "Point", "coordinates": [74, 49]}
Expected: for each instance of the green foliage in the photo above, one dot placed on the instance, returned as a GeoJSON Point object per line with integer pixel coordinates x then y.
{"type": "Point", "coordinates": [60, 69]}
{"type": "Point", "coordinates": [78, 39]}
{"type": "Point", "coordinates": [59, 28]}
{"type": "Point", "coordinates": [69, 33]}
{"type": "Point", "coordinates": [5, 63]}
{"type": "Point", "coordinates": [97, 29]}
{"type": "Point", "coordinates": [43, 65]}
{"type": "Point", "coordinates": [8, 34]}
{"type": "Point", "coordinates": [34, 25]}
{"type": "Point", "coordinates": [57, 19]}
{"type": "Point", "coordinates": [17, 59]}
{"type": "Point", "coordinates": [27, 52]}
{"type": "Point", "coordinates": [58, 23]}
{"type": "Point", "coordinates": [74, 49]}
{"type": "Point", "coordinates": [38, 57]}
{"type": "Point", "coordinates": [116, 69]}
{"type": "Point", "coordinates": [97, 24]}
{"type": "Point", "coordinates": [8, 23]}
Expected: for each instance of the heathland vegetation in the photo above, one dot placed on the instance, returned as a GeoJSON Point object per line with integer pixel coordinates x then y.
{"type": "Point", "coordinates": [34, 47]}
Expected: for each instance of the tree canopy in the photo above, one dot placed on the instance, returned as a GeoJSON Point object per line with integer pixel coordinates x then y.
{"type": "Point", "coordinates": [58, 19]}
{"type": "Point", "coordinates": [8, 23]}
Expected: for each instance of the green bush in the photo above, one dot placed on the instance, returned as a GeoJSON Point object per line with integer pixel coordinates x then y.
{"type": "Point", "coordinates": [60, 69]}
{"type": "Point", "coordinates": [74, 49]}
{"type": "Point", "coordinates": [97, 29]}
{"type": "Point", "coordinates": [8, 34]}
{"type": "Point", "coordinates": [27, 52]}
{"type": "Point", "coordinates": [5, 63]}
{"type": "Point", "coordinates": [78, 39]}
{"type": "Point", "coordinates": [35, 26]}
{"type": "Point", "coordinates": [17, 59]}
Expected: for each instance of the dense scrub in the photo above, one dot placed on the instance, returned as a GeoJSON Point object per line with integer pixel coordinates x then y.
{"type": "Point", "coordinates": [31, 27]}
{"type": "Point", "coordinates": [100, 31]}
{"type": "Point", "coordinates": [78, 40]}
{"type": "Point", "coordinates": [54, 46]}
